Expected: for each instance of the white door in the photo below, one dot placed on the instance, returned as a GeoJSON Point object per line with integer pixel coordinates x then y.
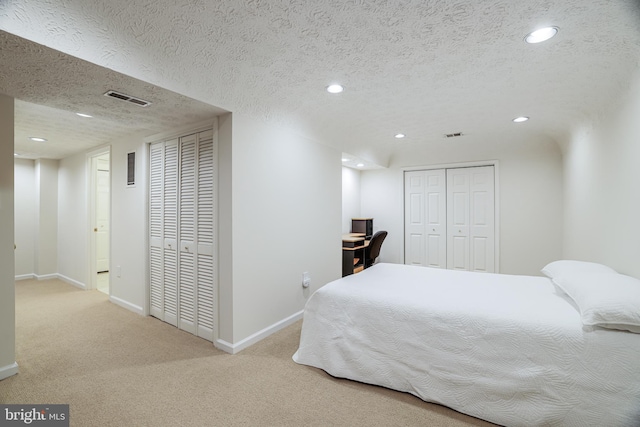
{"type": "Point", "coordinates": [206, 220]}
{"type": "Point", "coordinates": [102, 214]}
{"type": "Point", "coordinates": [182, 232]}
{"type": "Point", "coordinates": [425, 218]}
{"type": "Point", "coordinates": [156, 230]}
{"type": "Point", "coordinates": [450, 218]}
{"type": "Point", "coordinates": [471, 219]}
{"type": "Point", "coordinates": [163, 231]}
{"type": "Point", "coordinates": [414, 218]}
{"type": "Point", "coordinates": [482, 219]}
{"type": "Point", "coordinates": [187, 221]}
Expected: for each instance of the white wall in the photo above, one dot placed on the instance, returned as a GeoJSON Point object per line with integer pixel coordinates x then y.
{"type": "Point", "coordinates": [25, 217]}
{"type": "Point", "coordinates": [280, 216]}
{"type": "Point", "coordinates": [8, 364]}
{"type": "Point", "coordinates": [46, 237]}
{"type": "Point", "coordinates": [128, 225]}
{"type": "Point", "coordinates": [530, 189]}
{"type": "Point", "coordinates": [73, 224]}
{"type": "Point", "coordinates": [350, 197]}
{"type": "Point", "coordinates": [286, 210]}
{"type": "Point", "coordinates": [602, 179]}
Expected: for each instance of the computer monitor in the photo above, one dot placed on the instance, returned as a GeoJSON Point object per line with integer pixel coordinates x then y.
{"type": "Point", "coordinates": [362, 225]}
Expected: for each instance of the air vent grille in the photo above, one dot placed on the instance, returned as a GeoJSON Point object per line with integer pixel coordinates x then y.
{"type": "Point", "coordinates": [453, 135]}
{"type": "Point", "coordinates": [128, 98]}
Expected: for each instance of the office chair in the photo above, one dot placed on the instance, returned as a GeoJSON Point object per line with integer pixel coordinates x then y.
{"type": "Point", "coordinates": [373, 250]}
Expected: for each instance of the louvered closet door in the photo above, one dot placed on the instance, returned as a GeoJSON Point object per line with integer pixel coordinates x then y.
{"type": "Point", "coordinates": [163, 230]}
{"type": "Point", "coordinates": [205, 235]}
{"type": "Point", "coordinates": [188, 253]}
{"type": "Point", "coordinates": [156, 229]}
{"type": "Point", "coordinates": [170, 213]}
{"type": "Point", "coordinates": [182, 232]}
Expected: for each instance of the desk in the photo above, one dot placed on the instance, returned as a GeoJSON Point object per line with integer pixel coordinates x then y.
{"type": "Point", "coordinates": [353, 253]}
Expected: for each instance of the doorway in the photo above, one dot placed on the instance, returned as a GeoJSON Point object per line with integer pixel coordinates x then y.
{"type": "Point", "coordinates": [100, 209]}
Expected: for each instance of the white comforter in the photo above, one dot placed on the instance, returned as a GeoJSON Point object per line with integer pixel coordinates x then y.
{"type": "Point", "coordinates": [507, 349]}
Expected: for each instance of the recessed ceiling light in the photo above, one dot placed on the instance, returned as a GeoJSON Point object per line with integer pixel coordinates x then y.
{"type": "Point", "coordinates": [37, 139]}
{"type": "Point", "coordinates": [521, 119]}
{"type": "Point", "coordinates": [360, 165]}
{"type": "Point", "coordinates": [345, 160]}
{"type": "Point", "coordinates": [400, 135]}
{"type": "Point", "coordinates": [335, 88]}
{"type": "Point", "coordinates": [83, 115]}
{"type": "Point", "coordinates": [541, 35]}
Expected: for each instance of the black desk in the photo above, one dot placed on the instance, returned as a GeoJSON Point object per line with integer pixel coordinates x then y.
{"type": "Point", "coordinates": [354, 248]}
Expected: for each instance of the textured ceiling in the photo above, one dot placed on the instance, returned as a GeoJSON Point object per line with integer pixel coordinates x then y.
{"type": "Point", "coordinates": [50, 87]}
{"type": "Point", "coordinates": [424, 68]}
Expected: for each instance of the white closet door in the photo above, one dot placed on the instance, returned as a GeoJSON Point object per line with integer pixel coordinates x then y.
{"type": "Point", "coordinates": [471, 219]}
{"type": "Point", "coordinates": [414, 218]}
{"type": "Point", "coordinates": [182, 232]}
{"type": "Point", "coordinates": [205, 235]}
{"type": "Point", "coordinates": [450, 218]}
{"type": "Point", "coordinates": [436, 210]}
{"type": "Point", "coordinates": [170, 212]}
{"type": "Point", "coordinates": [482, 219]}
{"type": "Point", "coordinates": [425, 218]}
{"type": "Point", "coordinates": [187, 222]}
{"type": "Point", "coordinates": [156, 229]}
{"type": "Point", "coordinates": [458, 219]}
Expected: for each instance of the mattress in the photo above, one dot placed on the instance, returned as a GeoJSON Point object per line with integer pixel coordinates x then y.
{"type": "Point", "coordinates": [504, 348]}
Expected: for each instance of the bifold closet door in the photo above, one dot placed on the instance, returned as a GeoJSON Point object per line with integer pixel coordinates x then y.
{"type": "Point", "coordinates": [182, 232]}
{"type": "Point", "coordinates": [205, 235]}
{"type": "Point", "coordinates": [450, 218]}
{"type": "Point", "coordinates": [163, 230]}
{"type": "Point", "coordinates": [425, 218]}
{"type": "Point", "coordinates": [187, 221]}
{"type": "Point", "coordinates": [471, 219]}
{"type": "Point", "coordinates": [196, 219]}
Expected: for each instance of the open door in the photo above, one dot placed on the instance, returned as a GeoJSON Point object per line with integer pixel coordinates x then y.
{"type": "Point", "coordinates": [100, 199]}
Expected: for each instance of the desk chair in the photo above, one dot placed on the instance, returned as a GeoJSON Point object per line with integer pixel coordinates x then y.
{"type": "Point", "coordinates": [373, 250]}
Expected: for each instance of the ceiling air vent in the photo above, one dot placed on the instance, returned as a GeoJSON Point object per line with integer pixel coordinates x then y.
{"type": "Point", "coordinates": [453, 135]}
{"type": "Point", "coordinates": [128, 98]}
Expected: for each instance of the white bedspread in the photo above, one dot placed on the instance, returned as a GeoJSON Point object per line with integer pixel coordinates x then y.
{"type": "Point", "coordinates": [508, 349]}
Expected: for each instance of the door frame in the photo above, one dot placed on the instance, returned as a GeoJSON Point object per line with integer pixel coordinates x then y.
{"type": "Point", "coordinates": [92, 171]}
{"type": "Point", "coordinates": [495, 164]}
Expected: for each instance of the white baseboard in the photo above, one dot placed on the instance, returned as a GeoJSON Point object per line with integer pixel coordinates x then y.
{"type": "Point", "coordinates": [46, 276]}
{"type": "Point", "coordinates": [69, 281]}
{"type": "Point", "coordinates": [25, 277]}
{"type": "Point", "coordinates": [258, 336]}
{"type": "Point", "coordinates": [126, 304]}
{"type": "Point", "coordinates": [9, 370]}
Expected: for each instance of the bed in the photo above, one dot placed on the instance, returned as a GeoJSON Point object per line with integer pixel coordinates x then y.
{"type": "Point", "coordinates": [513, 350]}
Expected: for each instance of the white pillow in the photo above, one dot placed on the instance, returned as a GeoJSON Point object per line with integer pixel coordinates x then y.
{"type": "Point", "coordinates": [608, 300]}
{"type": "Point", "coordinates": [570, 267]}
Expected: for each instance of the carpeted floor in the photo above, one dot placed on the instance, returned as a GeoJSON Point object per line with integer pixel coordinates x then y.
{"type": "Point", "coordinates": [116, 368]}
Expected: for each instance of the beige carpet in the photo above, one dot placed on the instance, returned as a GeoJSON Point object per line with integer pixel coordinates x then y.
{"type": "Point", "coordinates": [116, 368]}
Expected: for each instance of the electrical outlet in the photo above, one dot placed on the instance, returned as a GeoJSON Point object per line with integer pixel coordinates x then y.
{"type": "Point", "coordinates": [306, 279]}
